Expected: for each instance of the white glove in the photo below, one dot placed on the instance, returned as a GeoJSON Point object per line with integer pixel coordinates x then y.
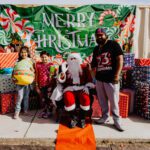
{"type": "Point", "coordinates": [61, 77]}
{"type": "Point", "coordinates": [86, 90]}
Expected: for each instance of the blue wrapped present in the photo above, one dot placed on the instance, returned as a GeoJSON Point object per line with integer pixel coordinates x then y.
{"type": "Point", "coordinates": [128, 59]}
{"type": "Point", "coordinates": [141, 73]}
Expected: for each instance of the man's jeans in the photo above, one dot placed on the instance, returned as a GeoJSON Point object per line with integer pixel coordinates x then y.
{"type": "Point", "coordinates": [23, 95]}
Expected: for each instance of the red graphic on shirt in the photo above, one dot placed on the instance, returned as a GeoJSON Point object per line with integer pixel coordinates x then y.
{"type": "Point", "coordinates": [104, 61]}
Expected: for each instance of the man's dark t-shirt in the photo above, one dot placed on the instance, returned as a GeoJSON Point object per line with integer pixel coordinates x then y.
{"type": "Point", "coordinates": [104, 59]}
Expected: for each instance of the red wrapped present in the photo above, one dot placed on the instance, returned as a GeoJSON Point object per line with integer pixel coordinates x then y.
{"type": "Point", "coordinates": [131, 94]}
{"type": "Point", "coordinates": [142, 62]}
{"type": "Point", "coordinates": [8, 59]}
{"type": "Point", "coordinates": [123, 104]}
{"type": "Point", "coordinates": [7, 102]}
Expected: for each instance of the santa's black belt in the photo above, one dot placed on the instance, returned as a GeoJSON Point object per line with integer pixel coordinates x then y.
{"type": "Point", "coordinates": [76, 85]}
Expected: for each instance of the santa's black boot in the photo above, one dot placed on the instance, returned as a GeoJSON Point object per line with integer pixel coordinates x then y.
{"type": "Point", "coordinates": [82, 118]}
{"type": "Point", "coordinates": [73, 119]}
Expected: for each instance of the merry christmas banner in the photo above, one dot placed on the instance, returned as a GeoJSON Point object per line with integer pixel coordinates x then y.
{"type": "Point", "coordinates": [63, 30]}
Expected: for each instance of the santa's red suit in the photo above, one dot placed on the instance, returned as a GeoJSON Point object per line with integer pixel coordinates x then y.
{"type": "Point", "coordinates": [78, 91]}
{"type": "Point", "coordinates": [76, 81]}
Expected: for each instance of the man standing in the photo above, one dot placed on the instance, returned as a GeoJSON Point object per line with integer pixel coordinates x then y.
{"type": "Point", "coordinates": [107, 62]}
{"type": "Point", "coordinates": [76, 82]}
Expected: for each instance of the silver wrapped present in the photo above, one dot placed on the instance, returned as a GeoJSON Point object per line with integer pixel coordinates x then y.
{"type": "Point", "coordinates": [6, 84]}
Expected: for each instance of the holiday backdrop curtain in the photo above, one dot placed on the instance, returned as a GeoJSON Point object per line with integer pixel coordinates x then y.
{"type": "Point", "coordinates": [63, 30]}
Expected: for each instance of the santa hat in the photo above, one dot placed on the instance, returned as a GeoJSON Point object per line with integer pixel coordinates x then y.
{"type": "Point", "coordinates": [75, 55]}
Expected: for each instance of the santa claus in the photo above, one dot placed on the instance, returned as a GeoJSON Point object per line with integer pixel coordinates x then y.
{"type": "Point", "coordinates": [76, 80]}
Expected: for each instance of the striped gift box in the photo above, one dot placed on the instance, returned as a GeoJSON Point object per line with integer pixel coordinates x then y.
{"type": "Point", "coordinates": [8, 60]}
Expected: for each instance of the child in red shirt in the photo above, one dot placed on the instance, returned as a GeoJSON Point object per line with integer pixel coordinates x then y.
{"type": "Point", "coordinates": [44, 83]}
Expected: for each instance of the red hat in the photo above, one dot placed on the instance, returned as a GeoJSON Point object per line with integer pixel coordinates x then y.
{"type": "Point", "coordinates": [100, 31]}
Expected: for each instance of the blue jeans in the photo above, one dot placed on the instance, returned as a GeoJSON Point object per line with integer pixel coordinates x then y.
{"type": "Point", "coordinates": [23, 95]}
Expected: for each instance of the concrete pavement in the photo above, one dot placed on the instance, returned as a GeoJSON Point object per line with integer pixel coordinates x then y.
{"type": "Point", "coordinates": [37, 131]}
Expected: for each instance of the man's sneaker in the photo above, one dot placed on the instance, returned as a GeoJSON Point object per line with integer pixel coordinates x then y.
{"type": "Point", "coordinates": [73, 123]}
{"type": "Point", "coordinates": [118, 126]}
{"type": "Point", "coordinates": [82, 123]}
{"type": "Point", "coordinates": [102, 120]}
{"type": "Point", "coordinates": [16, 115]}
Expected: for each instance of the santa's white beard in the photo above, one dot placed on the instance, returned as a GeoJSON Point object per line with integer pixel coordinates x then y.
{"type": "Point", "coordinates": [75, 71]}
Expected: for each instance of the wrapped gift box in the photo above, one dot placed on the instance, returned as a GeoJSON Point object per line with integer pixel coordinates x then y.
{"type": "Point", "coordinates": [128, 60]}
{"type": "Point", "coordinates": [7, 102]}
{"type": "Point", "coordinates": [8, 60]}
{"type": "Point", "coordinates": [6, 84]}
{"type": "Point", "coordinates": [142, 101]}
{"type": "Point", "coordinates": [123, 106]}
{"type": "Point", "coordinates": [131, 94]}
{"type": "Point", "coordinates": [141, 73]}
{"type": "Point", "coordinates": [142, 62]}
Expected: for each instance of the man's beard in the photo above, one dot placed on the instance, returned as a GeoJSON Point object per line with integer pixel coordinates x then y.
{"type": "Point", "coordinates": [75, 71]}
{"type": "Point", "coordinates": [101, 41]}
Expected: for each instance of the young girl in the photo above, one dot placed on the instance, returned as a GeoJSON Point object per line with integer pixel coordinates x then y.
{"type": "Point", "coordinates": [23, 90]}
{"type": "Point", "coordinates": [44, 83]}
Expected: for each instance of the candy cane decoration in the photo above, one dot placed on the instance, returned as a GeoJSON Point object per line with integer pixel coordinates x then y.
{"type": "Point", "coordinates": [10, 20]}
{"type": "Point", "coordinates": [105, 13]}
{"type": "Point", "coordinates": [27, 28]}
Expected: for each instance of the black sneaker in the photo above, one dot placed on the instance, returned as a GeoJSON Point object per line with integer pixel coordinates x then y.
{"type": "Point", "coordinates": [82, 123]}
{"type": "Point", "coordinates": [73, 123]}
